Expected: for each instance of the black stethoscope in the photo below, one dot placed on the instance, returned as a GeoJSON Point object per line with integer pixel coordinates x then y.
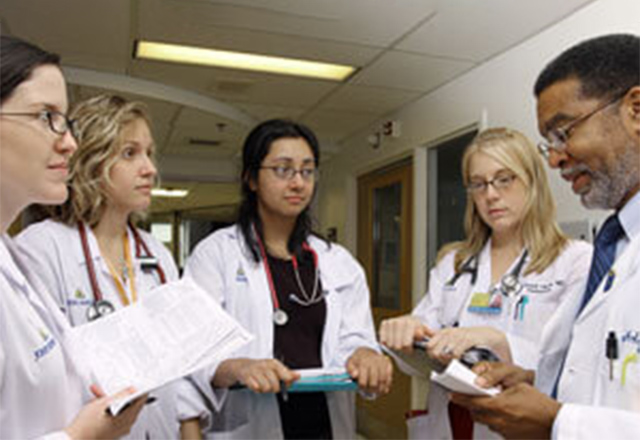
{"type": "Point", "coordinates": [101, 306]}
{"type": "Point", "coordinates": [509, 284]}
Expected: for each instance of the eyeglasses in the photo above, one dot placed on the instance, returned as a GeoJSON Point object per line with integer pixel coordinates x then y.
{"type": "Point", "coordinates": [500, 183]}
{"type": "Point", "coordinates": [288, 173]}
{"type": "Point", "coordinates": [58, 122]}
{"type": "Point", "coordinates": [557, 138]}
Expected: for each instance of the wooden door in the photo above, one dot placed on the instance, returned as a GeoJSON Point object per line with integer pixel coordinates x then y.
{"type": "Point", "coordinates": [384, 249]}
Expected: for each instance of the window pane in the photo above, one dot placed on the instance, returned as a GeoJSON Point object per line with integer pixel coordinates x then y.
{"type": "Point", "coordinates": [387, 209]}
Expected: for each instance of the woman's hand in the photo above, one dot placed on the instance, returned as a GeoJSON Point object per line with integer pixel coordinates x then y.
{"type": "Point", "coordinates": [451, 343]}
{"type": "Point", "coordinates": [94, 422]}
{"type": "Point", "coordinates": [400, 333]}
{"type": "Point", "coordinates": [259, 375]}
{"type": "Point", "coordinates": [372, 370]}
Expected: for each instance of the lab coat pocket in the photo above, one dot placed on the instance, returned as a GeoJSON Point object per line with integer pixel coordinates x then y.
{"type": "Point", "coordinates": [622, 391]}
{"type": "Point", "coordinates": [530, 314]}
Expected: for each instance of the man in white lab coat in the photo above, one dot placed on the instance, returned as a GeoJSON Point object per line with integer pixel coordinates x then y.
{"type": "Point", "coordinates": [588, 103]}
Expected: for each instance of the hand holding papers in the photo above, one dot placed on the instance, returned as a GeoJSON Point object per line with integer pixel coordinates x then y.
{"type": "Point", "coordinates": [171, 333]}
{"type": "Point", "coordinates": [459, 378]}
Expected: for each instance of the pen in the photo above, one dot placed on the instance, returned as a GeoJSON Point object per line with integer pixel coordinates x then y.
{"type": "Point", "coordinates": [283, 391]}
{"type": "Point", "coordinates": [611, 351]}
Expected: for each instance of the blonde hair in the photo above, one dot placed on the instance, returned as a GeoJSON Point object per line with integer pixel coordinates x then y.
{"type": "Point", "coordinates": [540, 232]}
{"type": "Point", "coordinates": [99, 121]}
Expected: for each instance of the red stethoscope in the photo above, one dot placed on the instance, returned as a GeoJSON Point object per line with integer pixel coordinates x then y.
{"type": "Point", "coordinates": [280, 317]}
{"type": "Point", "coordinates": [101, 306]}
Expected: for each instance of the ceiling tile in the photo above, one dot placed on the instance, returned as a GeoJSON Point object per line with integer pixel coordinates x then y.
{"type": "Point", "coordinates": [355, 21]}
{"type": "Point", "coordinates": [366, 99]}
{"type": "Point", "coordinates": [334, 126]}
{"type": "Point", "coordinates": [411, 71]}
{"type": "Point", "coordinates": [87, 34]}
{"type": "Point", "coordinates": [474, 31]}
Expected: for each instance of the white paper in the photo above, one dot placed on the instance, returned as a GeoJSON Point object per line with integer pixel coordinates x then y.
{"type": "Point", "coordinates": [171, 333]}
{"type": "Point", "coordinates": [457, 377]}
{"type": "Point", "coordinates": [320, 372]}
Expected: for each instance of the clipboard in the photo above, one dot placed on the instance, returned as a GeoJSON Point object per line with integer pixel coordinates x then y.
{"type": "Point", "coordinates": [417, 363]}
{"type": "Point", "coordinates": [316, 380]}
{"type": "Point", "coordinates": [323, 382]}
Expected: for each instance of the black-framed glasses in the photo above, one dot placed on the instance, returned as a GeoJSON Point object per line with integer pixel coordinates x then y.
{"type": "Point", "coordinates": [58, 122]}
{"type": "Point", "coordinates": [500, 183]}
{"type": "Point", "coordinates": [287, 173]}
{"type": "Point", "coordinates": [557, 138]}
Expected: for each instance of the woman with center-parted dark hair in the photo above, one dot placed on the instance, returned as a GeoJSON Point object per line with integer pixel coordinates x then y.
{"type": "Point", "coordinates": [306, 301]}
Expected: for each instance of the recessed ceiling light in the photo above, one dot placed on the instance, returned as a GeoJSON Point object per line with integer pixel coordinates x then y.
{"type": "Point", "coordinates": [177, 53]}
{"type": "Point", "coordinates": [168, 192]}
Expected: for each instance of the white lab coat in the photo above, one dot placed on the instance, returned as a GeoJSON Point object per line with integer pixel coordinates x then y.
{"type": "Point", "coordinates": [41, 391]}
{"type": "Point", "coordinates": [595, 407]}
{"type": "Point", "coordinates": [446, 305]}
{"type": "Point", "coordinates": [54, 252]}
{"type": "Point", "coordinates": [222, 266]}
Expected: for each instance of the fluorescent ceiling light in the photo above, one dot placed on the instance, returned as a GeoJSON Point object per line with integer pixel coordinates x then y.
{"type": "Point", "coordinates": [238, 60]}
{"type": "Point", "coordinates": [166, 192]}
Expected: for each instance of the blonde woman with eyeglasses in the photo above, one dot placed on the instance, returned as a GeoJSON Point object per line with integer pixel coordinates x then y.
{"type": "Point", "coordinates": [93, 257]}
{"type": "Point", "coordinates": [499, 286]}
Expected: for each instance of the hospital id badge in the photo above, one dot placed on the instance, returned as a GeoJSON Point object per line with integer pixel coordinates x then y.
{"type": "Point", "coordinates": [486, 303]}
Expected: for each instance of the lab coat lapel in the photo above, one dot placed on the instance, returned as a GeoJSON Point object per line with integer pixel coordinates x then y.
{"type": "Point", "coordinates": [624, 267]}
{"type": "Point", "coordinates": [333, 278]}
{"type": "Point", "coordinates": [256, 298]}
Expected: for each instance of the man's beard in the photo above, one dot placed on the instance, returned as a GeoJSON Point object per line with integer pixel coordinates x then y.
{"type": "Point", "coordinates": [609, 187]}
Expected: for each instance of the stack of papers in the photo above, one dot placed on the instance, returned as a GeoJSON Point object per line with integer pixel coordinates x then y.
{"type": "Point", "coordinates": [459, 378]}
{"type": "Point", "coordinates": [171, 333]}
{"type": "Point", "coordinates": [323, 379]}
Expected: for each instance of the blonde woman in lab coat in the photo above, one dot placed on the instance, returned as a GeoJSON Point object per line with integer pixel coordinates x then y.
{"type": "Point", "coordinates": [305, 300]}
{"type": "Point", "coordinates": [91, 256]}
{"type": "Point", "coordinates": [499, 286]}
{"type": "Point", "coordinates": [42, 392]}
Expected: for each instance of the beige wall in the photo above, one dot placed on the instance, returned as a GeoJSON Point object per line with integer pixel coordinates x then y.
{"type": "Point", "coordinates": [498, 93]}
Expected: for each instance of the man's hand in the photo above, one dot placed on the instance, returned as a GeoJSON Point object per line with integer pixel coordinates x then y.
{"type": "Point", "coordinates": [500, 374]}
{"type": "Point", "coordinates": [520, 411]}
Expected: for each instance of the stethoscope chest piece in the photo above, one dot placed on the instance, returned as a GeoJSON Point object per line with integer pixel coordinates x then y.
{"type": "Point", "coordinates": [510, 285]}
{"type": "Point", "coordinates": [280, 317]}
{"type": "Point", "coordinates": [99, 309]}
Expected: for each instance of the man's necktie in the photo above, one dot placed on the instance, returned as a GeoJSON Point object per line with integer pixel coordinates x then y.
{"type": "Point", "coordinates": [604, 253]}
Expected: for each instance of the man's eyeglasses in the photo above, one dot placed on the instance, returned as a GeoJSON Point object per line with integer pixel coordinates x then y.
{"type": "Point", "coordinates": [58, 122]}
{"type": "Point", "coordinates": [288, 173]}
{"type": "Point", "coordinates": [557, 138]}
{"type": "Point", "coordinates": [499, 183]}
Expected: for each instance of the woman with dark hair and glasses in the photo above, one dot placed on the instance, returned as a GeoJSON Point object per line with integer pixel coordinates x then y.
{"type": "Point", "coordinates": [306, 301]}
{"type": "Point", "coordinates": [42, 392]}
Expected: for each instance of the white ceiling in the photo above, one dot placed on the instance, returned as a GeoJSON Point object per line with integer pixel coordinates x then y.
{"type": "Point", "coordinates": [403, 48]}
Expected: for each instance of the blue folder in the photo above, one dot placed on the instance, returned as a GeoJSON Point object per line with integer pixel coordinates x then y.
{"type": "Point", "coordinates": [326, 382]}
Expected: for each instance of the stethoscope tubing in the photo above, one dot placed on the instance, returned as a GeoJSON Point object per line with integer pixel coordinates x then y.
{"type": "Point", "coordinates": [93, 279]}
{"type": "Point", "coordinates": [470, 266]}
